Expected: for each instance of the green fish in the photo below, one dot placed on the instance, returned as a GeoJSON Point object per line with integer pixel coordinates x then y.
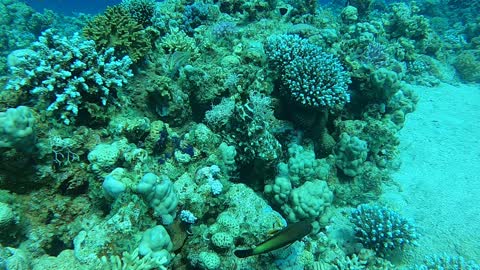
{"type": "Point", "coordinates": [287, 236]}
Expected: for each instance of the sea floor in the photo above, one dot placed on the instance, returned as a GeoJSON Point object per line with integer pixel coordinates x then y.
{"type": "Point", "coordinates": [439, 179]}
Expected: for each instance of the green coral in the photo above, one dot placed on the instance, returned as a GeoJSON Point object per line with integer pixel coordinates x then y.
{"type": "Point", "coordinates": [143, 11]}
{"type": "Point", "coordinates": [116, 28]}
{"type": "Point", "coordinates": [363, 6]}
{"type": "Point", "coordinates": [379, 135]}
{"type": "Point", "coordinates": [247, 10]}
{"type": "Point", "coordinates": [309, 201]}
{"type": "Point", "coordinates": [363, 188]}
{"type": "Point", "coordinates": [405, 22]}
{"type": "Point", "coordinates": [250, 123]}
{"type": "Point", "coordinates": [351, 152]}
{"type": "Point", "coordinates": [385, 84]}
{"type": "Point", "coordinates": [467, 65]}
{"type": "Point", "coordinates": [299, 189]}
{"type": "Point", "coordinates": [303, 166]}
{"type": "Point", "coordinates": [179, 41]}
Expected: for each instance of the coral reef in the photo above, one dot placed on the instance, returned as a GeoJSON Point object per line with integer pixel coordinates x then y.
{"type": "Point", "coordinates": [309, 76]}
{"type": "Point", "coordinates": [65, 74]}
{"type": "Point", "coordinates": [447, 262]}
{"type": "Point", "coordinates": [381, 229]}
{"type": "Point", "coordinates": [17, 129]}
{"type": "Point", "coordinates": [172, 133]}
{"type": "Point", "coordinates": [142, 11]}
{"type": "Point", "coordinates": [158, 192]}
{"type": "Point", "coordinates": [119, 30]}
{"type": "Point", "coordinates": [467, 65]}
{"type": "Point", "coordinates": [350, 154]}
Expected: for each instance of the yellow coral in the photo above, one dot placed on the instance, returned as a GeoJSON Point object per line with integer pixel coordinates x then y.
{"type": "Point", "coordinates": [117, 29]}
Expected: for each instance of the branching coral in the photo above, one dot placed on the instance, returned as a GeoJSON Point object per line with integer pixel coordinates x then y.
{"type": "Point", "coordinates": [143, 11]}
{"type": "Point", "coordinates": [309, 76]}
{"type": "Point", "coordinates": [446, 262]}
{"type": "Point", "coordinates": [132, 261]}
{"type": "Point", "coordinates": [381, 229]}
{"type": "Point", "coordinates": [67, 73]}
{"type": "Point", "coordinates": [118, 29]}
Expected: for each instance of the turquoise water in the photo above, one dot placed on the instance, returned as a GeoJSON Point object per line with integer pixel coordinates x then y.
{"type": "Point", "coordinates": [247, 134]}
{"type": "Point", "coordinates": [68, 7]}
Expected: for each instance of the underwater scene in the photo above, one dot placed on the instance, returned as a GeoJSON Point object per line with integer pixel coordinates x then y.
{"type": "Point", "coordinates": [239, 135]}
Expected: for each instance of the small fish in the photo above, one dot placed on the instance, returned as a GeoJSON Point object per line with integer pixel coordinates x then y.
{"type": "Point", "coordinates": [288, 235]}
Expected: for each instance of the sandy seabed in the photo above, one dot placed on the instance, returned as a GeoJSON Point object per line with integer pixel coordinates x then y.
{"type": "Point", "coordinates": [439, 178]}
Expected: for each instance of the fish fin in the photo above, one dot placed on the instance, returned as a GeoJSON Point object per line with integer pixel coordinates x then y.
{"type": "Point", "coordinates": [243, 253]}
{"type": "Point", "coordinates": [274, 231]}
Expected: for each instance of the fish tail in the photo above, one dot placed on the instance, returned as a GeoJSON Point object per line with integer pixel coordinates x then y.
{"type": "Point", "coordinates": [243, 253]}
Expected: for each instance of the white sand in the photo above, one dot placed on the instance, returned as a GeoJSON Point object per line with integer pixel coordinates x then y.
{"type": "Point", "coordinates": [440, 172]}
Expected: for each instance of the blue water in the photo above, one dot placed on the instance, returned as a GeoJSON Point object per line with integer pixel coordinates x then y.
{"type": "Point", "coordinates": [68, 7]}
